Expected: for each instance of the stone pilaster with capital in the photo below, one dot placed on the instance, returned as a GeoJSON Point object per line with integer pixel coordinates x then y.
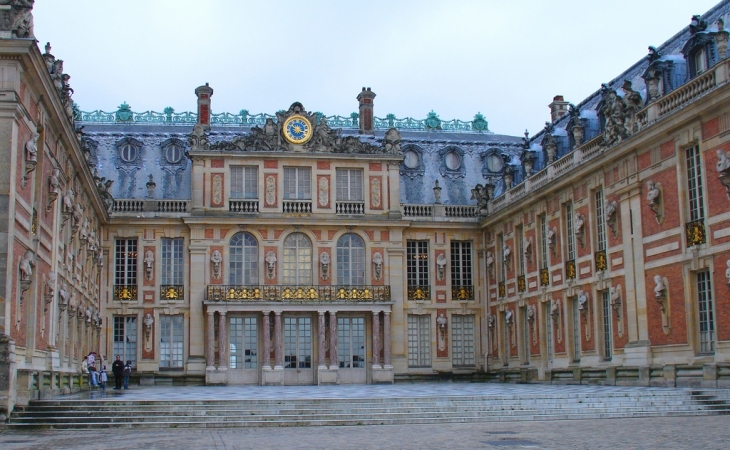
{"type": "Point", "coordinates": [266, 339]}
{"type": "Point", "coordinates": [321, 340]}
{"type": "Point", "coordinates": [222, 341]}
{"type": "Point", "coordinates": [386, 340]}
{"type": "Point", "coordinates": [333, 340]}
{"type": "Point", "coordinates": [210, 342]}
{"type": "Point", "coordinates": [278, 351]}
{"type": "Point", "coordinates": [376, 339]}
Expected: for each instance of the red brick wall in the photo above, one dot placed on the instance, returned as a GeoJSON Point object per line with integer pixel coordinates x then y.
{"type": "Point", "coordinates": [678, 316]}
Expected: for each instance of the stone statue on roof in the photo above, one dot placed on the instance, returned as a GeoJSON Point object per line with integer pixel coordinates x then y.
{"type": "Point", "coordinates": [16, 18]}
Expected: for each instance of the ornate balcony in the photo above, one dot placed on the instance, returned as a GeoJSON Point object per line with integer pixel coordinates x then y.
{"type": "Point", "coordinates": [570, 269]}
{"type": "Point", "coordinates": [312, 294]}
{"type": "Point", "coordinates": [243, 206]}
{"type": "Point", "coordinates": [419, 293]}
{"type": "Point", "coordinates": [696, 233]}
{"type": "Point", "coordinates": [350, 208]}
{"type": "Point", "coordinates": [600, 260]}
{"type": "Point", "coordinates": [461, 293]}
{"type": "Point", "coordinates": [297, 206]}
{"type": "Point", "coordinates": [125, 292]}
{"type": "Point", "coordinates": [171, 292]}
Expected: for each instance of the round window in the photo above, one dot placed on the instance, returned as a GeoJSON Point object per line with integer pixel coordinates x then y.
{"type": "Point", "coordinates": [494, 162]}
{"type": "Point", "coordinates": [411, 159]}
{"type": "Point", "coordinates": [173, 154]}
{"type": "Point", "coordinates": [128, 153]}
{"type": "Point", "coordinates": [453, 161]}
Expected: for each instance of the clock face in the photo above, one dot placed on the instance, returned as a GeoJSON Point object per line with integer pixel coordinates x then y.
{"type": "Point", "coordinates": [297, 129]}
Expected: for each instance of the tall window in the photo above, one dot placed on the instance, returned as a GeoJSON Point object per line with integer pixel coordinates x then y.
{"type": "Point", "coordinates": [243, 264]}
{"type": "Point", "coordinates": [244, 182]}
{"type": "Point", "coordinates": [520, 251]}
{"type": "Point", "coordinates": [349, 185]}
{"type": "Point", "coordinates": [461, 263]}
{"type": "Point", "coordinates": [125, 338]}
{"type": "Point", "coordinates": [600, 222]}
{"type": "Point", "coordinates": [172, 261]}
{"type": "Point", "coordinates": [569, 233]}
{"type": "Point", "coordinates": [548, 333]}
{"type": "Point", "coordinates": [502, 261]}
{"type": "Point", "coordinates": [297, 183]}
{"type": "Point", "coordinates": [694, 184]}
{"type": "Point", "coordinates": [297, 266]}
{"type": "Point", "coordinates": [544, 261]}
{"type": "Point", "coordinates": [243, 343]}
{"type": "Point", "coordinates": [419, 340]}
{"type": "Point", "coordinates": [576, 329]}
{"type": "Point", "coordinates": [126, 262]}
{"type": "Point", "coordinates": [417, 256]}
{"type": "Point", "coordinates": [525, 336]}
{"type": "Point", "coordinates": [171, 341]}
{"type": "Point", "coordinates": [350, 260]}
{"type": "Point", "coordinates": [607, 336]}
{"type": "Point", "coordinates": [351, 342]}
{"type": "Point", "coordinates": [705, 312]}
{"type": "Point", "coordinates": [462, 333]}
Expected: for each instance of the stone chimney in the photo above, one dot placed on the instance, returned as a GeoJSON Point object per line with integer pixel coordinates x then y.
{"type": "Point", "coordinates": [366, 111]}
{"type": "Point", "coordinates": [204, 94]}
{"type": "Point", "coordinates": [558, 108]}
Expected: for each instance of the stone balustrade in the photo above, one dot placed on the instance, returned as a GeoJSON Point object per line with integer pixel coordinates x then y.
{"type": "Point", "coordinates": [352, 208]}
{"type": "Point", "coordinates": [243, 206]}
{"type": "Point", "coordinates": [122, 206]}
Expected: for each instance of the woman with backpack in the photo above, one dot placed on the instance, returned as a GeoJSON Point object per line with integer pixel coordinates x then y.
{"type": "Point", "coordinates": [126, 373]}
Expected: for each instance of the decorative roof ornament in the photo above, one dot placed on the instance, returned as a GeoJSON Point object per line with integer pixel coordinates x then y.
{"type": "Point", "coordinates": [124, 113]}
{"type": "Point", "coordinates": [576, 124]}
{"type": "Point", "coordinates": [16, 19]}
{"type": "Point", "coordinates": [479, 123]}
{"type": "Point", "coordinates": [432, 121]}
{"type": "Point", "coordinates": [696, 24]}
{"type": "Point", "coordinates": [653, 54]}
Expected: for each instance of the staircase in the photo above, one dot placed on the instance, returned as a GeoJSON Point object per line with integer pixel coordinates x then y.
{"type": "Point", "coordinates": [551, 405]}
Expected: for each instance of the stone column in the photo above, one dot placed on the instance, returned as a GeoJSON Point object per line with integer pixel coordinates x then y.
{"type": "Point", "coordinates": [278, 351]}
{"type": "Point", "coordinates": [333, 340]}
{"type": "Point", "coordinates": [386, 340]}
{"type": "Point", "coordinates": [376, 339]}
{"type": "Point", "coordinates": [394, 211]}
{"type": "Point", "coordinates": [198, 170]}
{"type": "Point", "coordinates": [266, 338]}
{"type": "Point", "coordinates": [210, 342]}
{"type": "Point", "coordinates": [222, 341]}
{"type": "Point", "coordinates": [196, 360]}
{"type": "Point", "coordinates": [321, 341]}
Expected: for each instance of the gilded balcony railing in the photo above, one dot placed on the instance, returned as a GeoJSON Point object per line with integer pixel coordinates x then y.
{"type": "Point", "coordinates": [696, 233]}
{"type": "Point", "coordinates": [172, 292]}
{"type": "Point", "coordinates": [600, 260]}
{"type": "Point", "coordinates": [502, 290]}
{"type": "Point", "coordinates": [570, 269]}
{"type": "Point", "coordinates": [283, 293]}
{"type": "Point", "coordinates": [419, 293]}
{"type": "Point", "coordinates": [125, 292]}
{"type": "Point", "coordinates": [521, 284]}
{"type": "Point", "coordinates": [462, 293]}
{"type": "Point", "coordinates": [544, 277]}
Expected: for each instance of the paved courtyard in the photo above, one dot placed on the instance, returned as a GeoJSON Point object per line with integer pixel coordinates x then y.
{"type": "Point", "coordinates": [708, 432]}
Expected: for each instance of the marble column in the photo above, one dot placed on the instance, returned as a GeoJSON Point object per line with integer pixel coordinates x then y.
{"type": "Point", "coordinates": [210, 342]}
{"type": "Point", "coordinates": [376, 339]}
{"type": "Point", "coordinates": [386, 340]}
{"type": "Point", "coordinates": [321, 341]}
{"type": "Point", "coordinates": [278, 351]}
{"type": "Point", "coordinates": [333, 340]}
{"type": "Point", "coordinates": [266, 338]}
{"type": "Point", "coordinates": [222, 341]}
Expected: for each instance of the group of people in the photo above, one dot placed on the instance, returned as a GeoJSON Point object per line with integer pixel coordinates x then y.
{"type": "Point", "coordinates": [99, 378]}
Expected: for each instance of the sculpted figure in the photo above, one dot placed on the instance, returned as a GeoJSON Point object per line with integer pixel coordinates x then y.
{"type": "Point", "coordinates": [490, 321]}
{"type": "Point", "coordinates": [68, 201]}
{"type": "Point", "coordinates": [441, 263]}
{"type": "Point", "coordinates": [55, 182]}
{"type": "Point", "coordinates": [31, 148]}
{"type": "Point", "coordinates": [378, 263]}
{"type": "Point", "coordinates": [270, 264]}
{"type": "Point", "coordinates": [508, 316]}
{"type": "Point", "coordinates": [441, 320]}
{"type": "Point", "coordinates": [659, 288]}
{"type": "Point", "coordinates": [723, 162]}
{"type": "Point", "coordinates": [490, 260]}
{"type": "Point", "coordinates": [148, 322]}
{"type": "Point", "coordinates": [27, 262]}
{"type": "Point", "coordinates": [653, 193]}
{"type": "Point", "coordinates": [582, 300]}
{"type": "Point", "coordinates": [727, 271]}
{"type": "Point", "coordinates": [391, 141]}
{"type": "Point", "coordinates": [216, 258]}
{"type": "Point", "coordinates": [78, 214]}
{"type": "Point", "coordinates": [149, 260]}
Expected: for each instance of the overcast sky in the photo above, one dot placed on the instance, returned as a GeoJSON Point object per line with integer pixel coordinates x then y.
{"type": "Point", "coordinates": [505, 59]}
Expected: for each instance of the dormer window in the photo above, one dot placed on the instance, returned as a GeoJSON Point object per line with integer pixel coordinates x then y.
{"type": "Point", "coordinates": [700, 61]}
{"type": "Point", "coordinates": [494, 162]}
{"type": "Point", "coordinates": [410, 159]}
{"type": "Point", "coordinates": [128, 150]}
{"type": "Point", "coordinates": [128, 153]}
{"type": "Point", "coordinates": [173, 154]}
{"type": "Point", "coordinates": [453, 160]}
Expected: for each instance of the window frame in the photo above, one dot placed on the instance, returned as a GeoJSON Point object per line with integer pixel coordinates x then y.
{"type": "Point", "coordinates": [173, 261]}
{"type": "Point", "coordinates": [243, 260]}
{"type": "Point", "coordinates": [349, 188]}
{"type": "Point", "coordinates": [417, 265]}
{"type": "Point", "coordinates": [244, 183]}
{"type": "Point", "coordinates": [300, 179]}
{"type": "Point", "coordinates": [297, 267]}
{"type": "Point", "coordinates": [125, 258]}
{"type": "Point", "coordinates": [172, 332]}
{"type": "Point", "coordinates": [351, 260]}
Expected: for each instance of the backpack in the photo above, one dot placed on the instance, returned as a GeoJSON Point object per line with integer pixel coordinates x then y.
{"type": "Point", "coordinates": [127, 371]}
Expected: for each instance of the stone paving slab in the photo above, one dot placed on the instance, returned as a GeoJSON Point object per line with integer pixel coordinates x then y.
{"type": "Point", "coordinates": [706, 433]}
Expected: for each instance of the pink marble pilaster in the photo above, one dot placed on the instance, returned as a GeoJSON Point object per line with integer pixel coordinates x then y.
{"type": "Point", "coordinates": [376, 338]}
{"type": "Point", "coordinates": [386, 339]}
{"type": "Point", "coordinates": [222, 341]}
{"type": "Point", "coordinates": [210, 342]}
{"type": "Point", "coordinates": [278, 353]}
{"type": "Point", "coordinates": [266, 328]}
{"type": "Point", "coordinates": [321, 341]}
{"type": "Point", "coordinates": [333, 340]}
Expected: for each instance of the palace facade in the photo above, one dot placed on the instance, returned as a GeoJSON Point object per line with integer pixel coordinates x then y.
{"type": "Point", "coordinates": [301, 248]}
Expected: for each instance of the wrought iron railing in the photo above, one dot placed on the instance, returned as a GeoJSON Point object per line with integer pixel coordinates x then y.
{"type": "Point", "coordinates": [570, 269]}
{"type": "Point", "coordinates": [350, 207]}
{"type": "Point", "coordinates": [600, 260]}
{"type": "Point", "coordinates": [243, 206]}
{"type": "Point", "coordinates": [521, 284]}
{"type": "Point", "coordinates": [419, 293]}
{"type": "Point", "coordinates": [125, 292]}
{"type": "Point", "coordinates": [462, 293]}
{"type": "Point", "coordinates": [284, 293]}
{"type": "Point", "coordinates": [172, 292]}
{"type": "Point", "coordinates": [545, 277]}
{"type": "Point", "coordinates": [297, 206]}
{"type": "Point", "coordinates": [696, 233]}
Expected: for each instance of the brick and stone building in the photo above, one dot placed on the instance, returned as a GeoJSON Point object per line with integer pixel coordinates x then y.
{"type": "Point", "coordinates": [301, 248]}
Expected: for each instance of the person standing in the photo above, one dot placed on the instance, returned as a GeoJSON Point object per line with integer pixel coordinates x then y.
{"type": "Point", "coordinates": [91, 362]}
{"type": "Point", "coordinates": [127, 373]}
{"type": "Point", "coordinates": [85, 368]}
{"type": "Point", "coordinates": [118, 371]}
{"type": "Point", "coordinates": [102, 378]}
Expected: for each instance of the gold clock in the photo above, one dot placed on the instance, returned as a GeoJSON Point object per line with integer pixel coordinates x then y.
{"type": "Point", "coordinates": [297, 129]}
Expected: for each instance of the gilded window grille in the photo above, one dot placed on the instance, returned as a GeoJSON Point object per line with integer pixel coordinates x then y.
{"type": "Point", "coordinates": [502, 290]}
{"type": "Point", "coordinates": [462, 292]}
{"type": "Point", "coordinates": [521, 284]}
{"type": "Point", "coordinates": [419, 293]}
{"type": "Point", "coordinates": [124, 292]}
{"type": "Point", "coordinates": [696, 233]}
{"type": "Point", "coordinates": [544, 277]}
{"type": "Point", "coordinates": [600, 260]}
{"type": "Point", "coordinates": [570, 269]}
{"type": "Point", "coordinates": [172, 292]}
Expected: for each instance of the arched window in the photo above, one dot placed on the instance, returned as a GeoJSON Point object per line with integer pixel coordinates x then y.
{"type": "Point", "coordinates": [243, 262]}
{"type": "Point", "coordinates": [297, 265]}
{"type": "Point", "coordinates": [350, 260]}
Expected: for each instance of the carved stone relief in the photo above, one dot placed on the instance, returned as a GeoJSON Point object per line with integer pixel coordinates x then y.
{"type": "Point", "coordinates": [270, 265]}
{"type": "Point", "coordinates": [324, 264]}
{"type": "Point", "coordinates": [661, 294]}
{"type": "Point", "coordinates": [323, 192]}
{"type": "Point", "coordinates": [378, 265]}
{"type": "Point", "coordinates": [441, 266]}
{"type": "Point", "coordinates": [655, 199]}
{"type": "Point", "coordinates": [270, 196]}
{"type": "Point", "coordinates": [216, 259]}
{"type": "Point", "coordinates": [375, 193]}
{"type": "Point", "coordinates": [611, 208]}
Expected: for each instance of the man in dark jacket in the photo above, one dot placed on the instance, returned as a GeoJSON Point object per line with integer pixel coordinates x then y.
{"type": "Point", "coordinates": [118, 371]}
